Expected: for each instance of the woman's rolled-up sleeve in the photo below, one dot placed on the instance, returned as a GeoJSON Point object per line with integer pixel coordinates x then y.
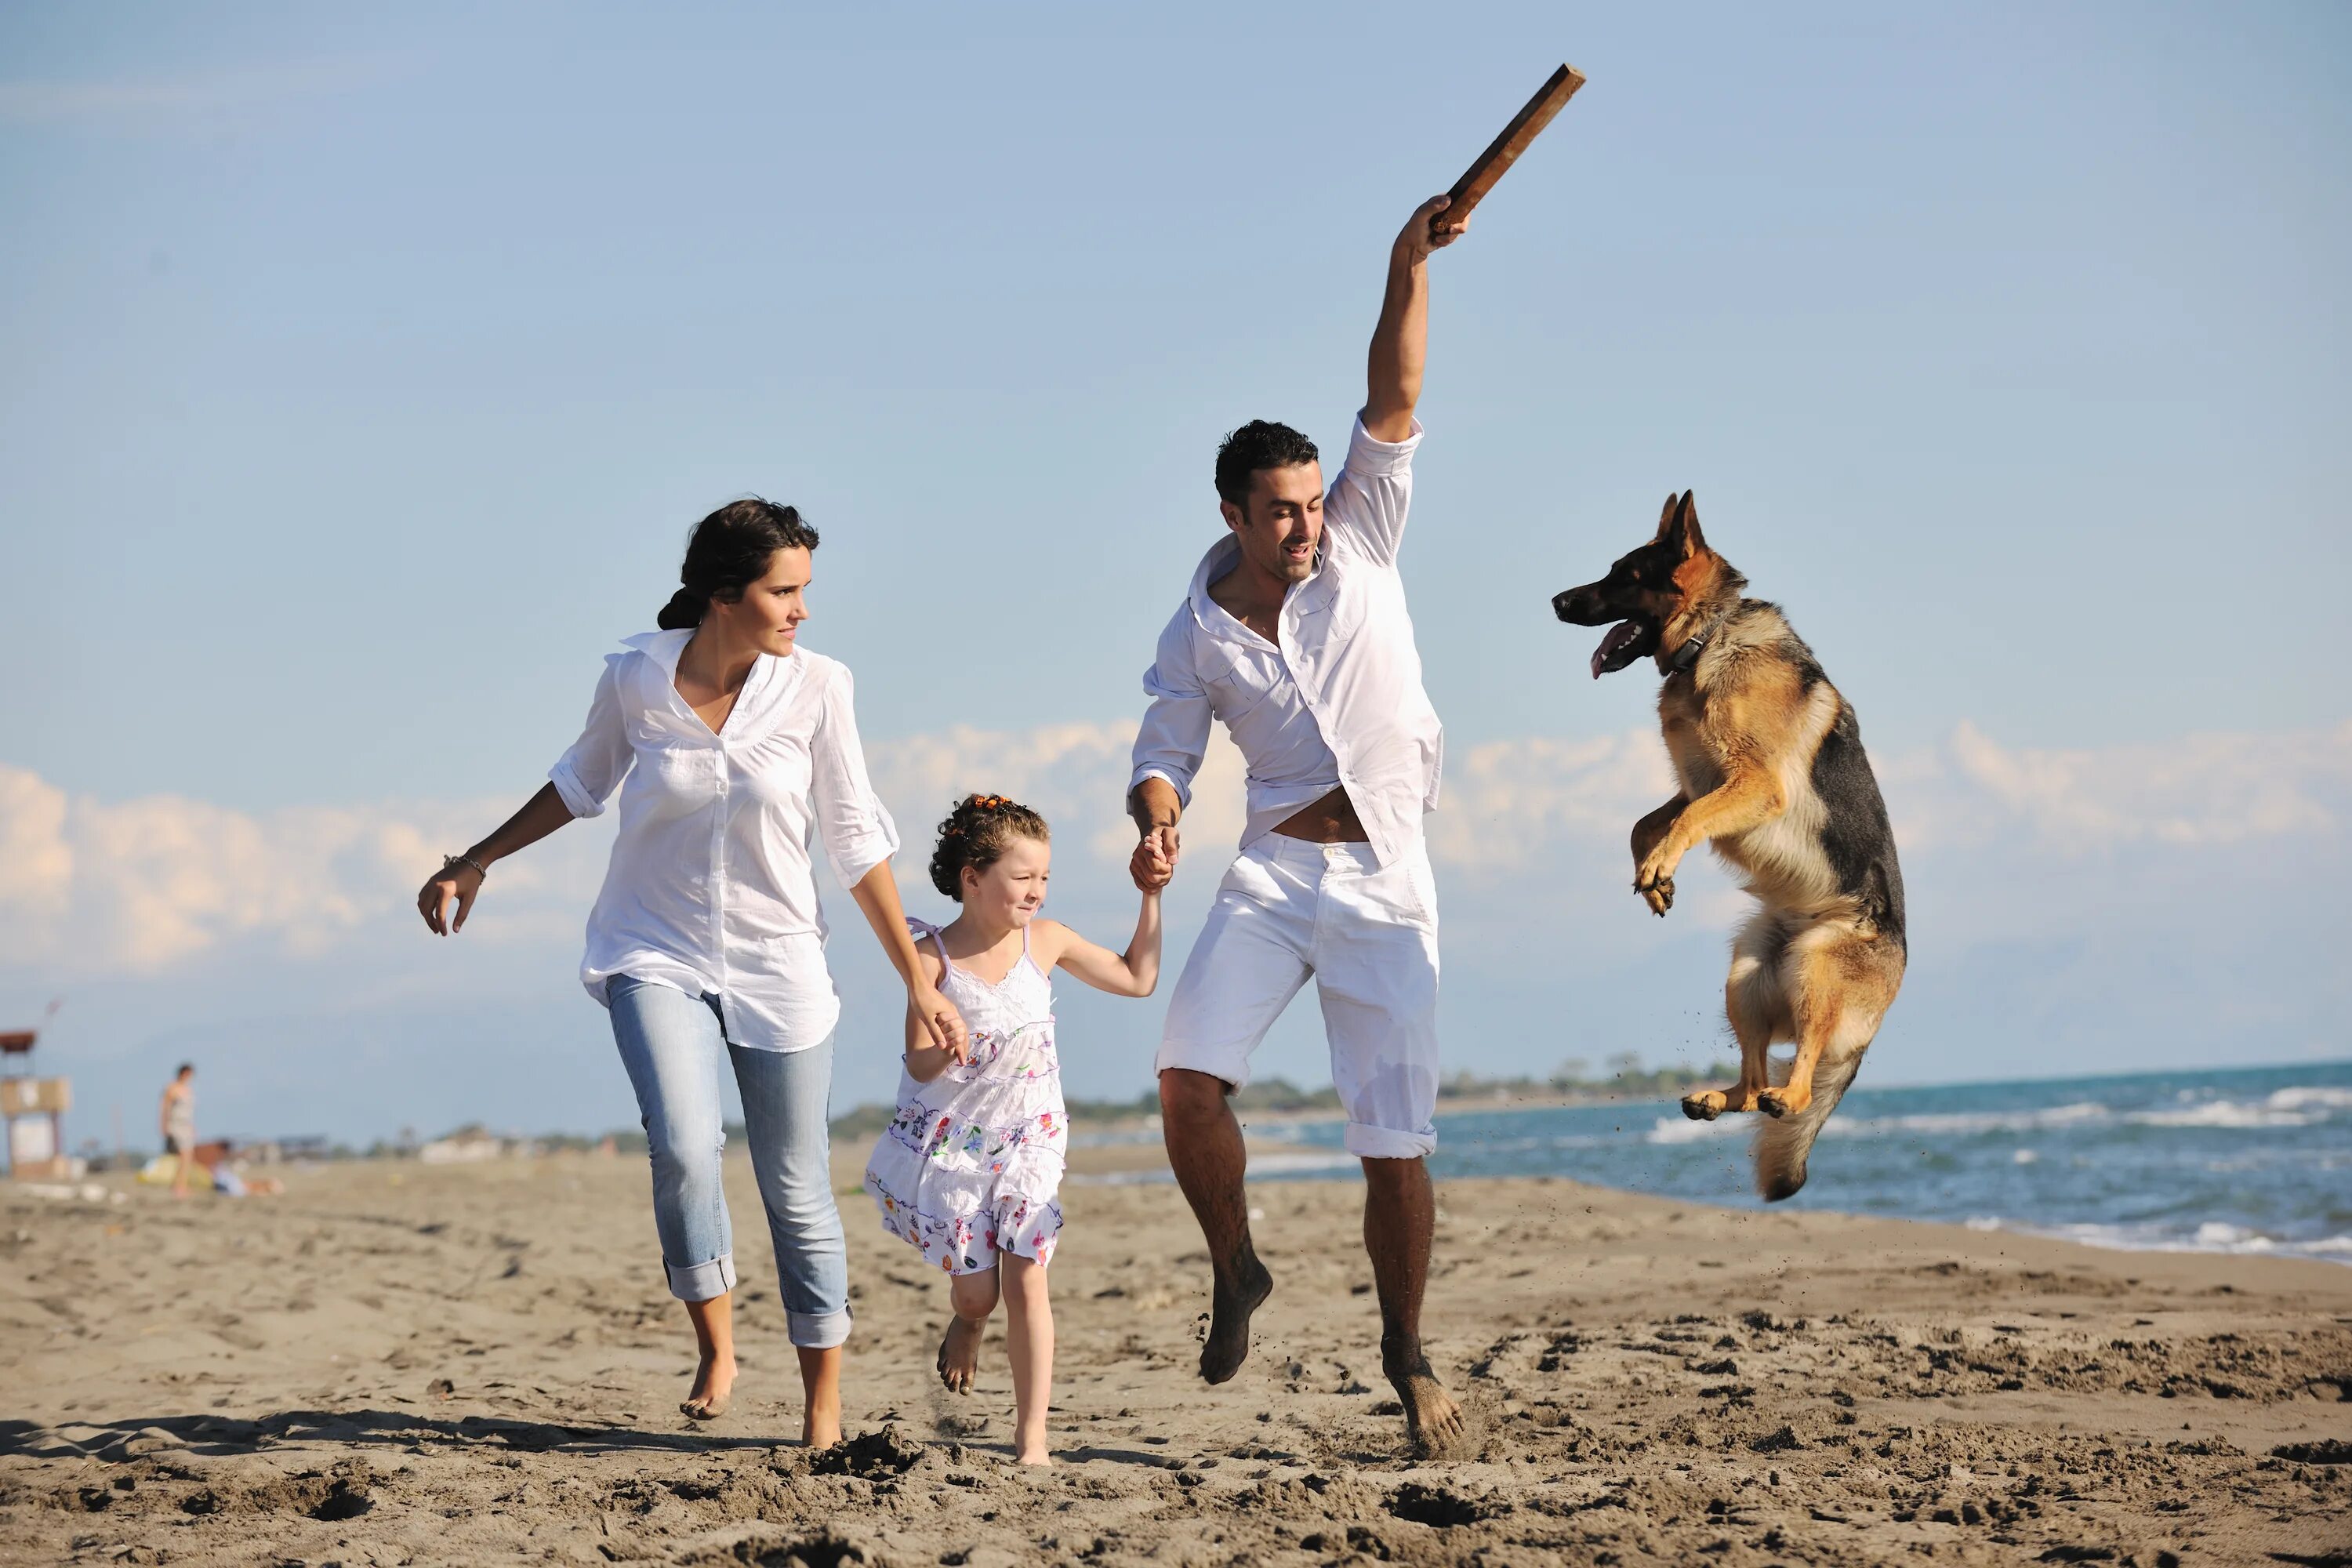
{"type": "Point", "coordinates": [851, 822]}
{"type": "Point", "coordinates": [587, 774]}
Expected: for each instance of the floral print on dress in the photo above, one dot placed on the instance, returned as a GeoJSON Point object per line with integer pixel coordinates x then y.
{"type": "Point", "coordinates": [970, 1162]}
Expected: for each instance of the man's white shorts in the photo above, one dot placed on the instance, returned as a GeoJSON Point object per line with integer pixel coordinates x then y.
{"type": "Point", "coordinates": [1289, 908]}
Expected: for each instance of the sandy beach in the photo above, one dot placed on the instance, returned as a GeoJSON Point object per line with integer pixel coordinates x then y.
{"type": "Point", "coordinates": [394, 1364]}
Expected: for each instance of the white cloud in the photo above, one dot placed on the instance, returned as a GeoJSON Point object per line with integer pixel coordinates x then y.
{"type": "Point", "coordinates": [93, 887]}
{"type": "Point", "coordinates": [145, 884]}
{"type": "Point", "coordinates": [36, 862]}
{"type": "Point", "coordinates": [2199, 790]}
{"type": "Point", "coordinates": [1074, 774]}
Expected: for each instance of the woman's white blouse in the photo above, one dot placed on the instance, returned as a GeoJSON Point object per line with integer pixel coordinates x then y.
{"type": "Point", "coordinates": [710, 887]}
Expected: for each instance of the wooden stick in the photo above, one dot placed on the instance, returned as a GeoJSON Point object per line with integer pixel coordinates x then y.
{"type": "Point", "coordinates": [1505, 150]}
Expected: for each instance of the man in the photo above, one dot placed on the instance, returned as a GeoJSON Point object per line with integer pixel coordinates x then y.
{"type": "Point", "coordinates": [1294, 635]}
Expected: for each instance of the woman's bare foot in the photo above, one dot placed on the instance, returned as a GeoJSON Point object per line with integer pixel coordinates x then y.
{"type": "Point", "coordinates": [714, 1385]}
{"type": "Point", "coordinates": [821, 1428]}
{"type": "Point", "coordinates": [1432, 1420]}
{"type": "Point", "coordinates": [1029, 1449]}
{"type": "Point", "coordinates": [960, 1354]}
{"type": "Point", "coordinates": [821, 1391]}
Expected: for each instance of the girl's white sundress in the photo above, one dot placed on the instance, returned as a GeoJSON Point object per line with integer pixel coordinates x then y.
{"type": "Point", "coordinates": [970, 1165]}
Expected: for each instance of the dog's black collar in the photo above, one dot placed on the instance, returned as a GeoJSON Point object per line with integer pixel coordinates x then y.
{"type": "Point", "coordinates": [1687, 655]}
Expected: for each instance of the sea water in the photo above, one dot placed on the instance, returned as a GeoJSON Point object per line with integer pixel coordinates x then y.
{"type": "Point", "coordinates": [2247, 1160]}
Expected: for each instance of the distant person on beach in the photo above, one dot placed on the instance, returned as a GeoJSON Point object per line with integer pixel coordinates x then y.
{"type": "Point", "coordinates": [733, 750]}
{"type": "Point", "coordinates": [1294, 634]}
{"type": "Point", "coordinates": [177, 1117]}
{"type": "Point", "coordinates": [970, 1168]}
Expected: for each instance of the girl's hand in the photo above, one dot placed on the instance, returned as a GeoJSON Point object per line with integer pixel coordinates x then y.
{"type": "Point", "coordinates": [932, 1017]}
{"type": "Point", "coordinates": [1153, 864]}
{"type": "Point", "coordinates": [459, 881]}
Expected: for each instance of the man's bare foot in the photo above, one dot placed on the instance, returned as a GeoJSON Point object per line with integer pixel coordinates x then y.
{"type": "Point", "coordinates": [1230, 1307]}
{"type": "Point", "coordinates": [714, 1385]}
{"type": "Point", "coordinates": [1432, 1420]}
{"type": "Point", "coordinates": [960, 1354]}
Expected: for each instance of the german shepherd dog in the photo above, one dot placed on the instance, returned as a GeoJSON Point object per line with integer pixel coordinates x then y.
{"type": "Point", "coordinates": [1772, 775]}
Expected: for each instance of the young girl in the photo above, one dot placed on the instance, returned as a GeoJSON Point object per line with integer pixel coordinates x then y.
{"type": "Point", "coordinates": [968, 1169]}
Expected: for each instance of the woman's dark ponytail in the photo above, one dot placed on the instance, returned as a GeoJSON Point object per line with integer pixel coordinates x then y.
{"type": "Point", "coordinates": [729, 551]}
{"type": "Point", "coordinates": [685, 611]}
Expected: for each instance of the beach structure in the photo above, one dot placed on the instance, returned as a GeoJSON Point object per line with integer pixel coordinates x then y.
{"type": "Point", "coordinates": [34, 1109]}
{"type": "Point", "coordinates": [464, 1146]}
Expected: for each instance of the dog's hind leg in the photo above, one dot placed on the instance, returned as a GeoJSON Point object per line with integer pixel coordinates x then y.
{"type": "Point", "coordinates": [1757, 1009]}
{"type": "Point", "coordinates": [1842, 984]}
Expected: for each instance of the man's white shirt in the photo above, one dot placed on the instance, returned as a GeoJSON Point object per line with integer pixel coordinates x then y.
{"type": "Point", "coordinates": [1337, 700]}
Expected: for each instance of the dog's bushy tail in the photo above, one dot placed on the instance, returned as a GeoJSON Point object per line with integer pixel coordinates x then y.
{"type": "Point", "coordinates": [1783, 1141]}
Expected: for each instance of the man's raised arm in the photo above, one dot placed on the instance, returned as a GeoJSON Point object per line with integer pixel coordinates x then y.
{"type": "Point", "coordinates": [1400, 342]}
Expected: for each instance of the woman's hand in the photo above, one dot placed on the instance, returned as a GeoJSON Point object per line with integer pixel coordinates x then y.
{"type": "Point", "coordinates": [460, 876]}
{"type": "Point", "coordinates": [932, 1017]}
{"type": "Point", "coordinates": [461, 882]}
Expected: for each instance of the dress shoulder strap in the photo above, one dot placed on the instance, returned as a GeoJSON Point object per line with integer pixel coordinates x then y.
{"type": "Point", "coordinates": [921, 929]}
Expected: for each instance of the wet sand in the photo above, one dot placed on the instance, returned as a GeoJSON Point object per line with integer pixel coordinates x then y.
{"type": "Point", "coordinates": [394, 1364]}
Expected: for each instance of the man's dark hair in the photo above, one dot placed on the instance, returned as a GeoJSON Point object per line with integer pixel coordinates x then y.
{"type": "Point", "coordinates": [1260, 444]}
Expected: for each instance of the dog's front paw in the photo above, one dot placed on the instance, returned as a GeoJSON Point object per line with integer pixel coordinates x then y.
{"type": "Point", "coordinates": [1784, 1101]}
{"type": "Point", "coordinates": [1705, 1105]}
{"type": "Point", "coordinates": [1658, 866]}
{"type": "Point", "coordinates": [1660, 899]}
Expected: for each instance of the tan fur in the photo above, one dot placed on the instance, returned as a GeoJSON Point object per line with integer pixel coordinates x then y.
{"type": "Point", "coordinates": [1809, 967]}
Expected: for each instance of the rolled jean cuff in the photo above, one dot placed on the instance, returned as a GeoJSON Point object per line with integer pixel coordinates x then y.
{"type": "Point", "coordinates": [816, 1331]}
{"type": "Point", "coordinates": [701, 1281]}
{"type": "Point", "coordinates": [1369, 1142]}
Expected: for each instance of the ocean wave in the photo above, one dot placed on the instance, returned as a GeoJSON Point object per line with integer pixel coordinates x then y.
{"type": "Point", "coordinates": [2225, 1113]}
{"type": "Point", "coordinates": [1682, 1130]}
{"type": "Point", "coordinates": [1261, 1164]}
{"type": "Point", "coordinates": [2212, 1236]}
{"type": "Point", "coordinates": [1297, 1165]}
{"type": "Point", "coordinates": [2298, 1097]}
{"type": "Point", "coordinates": [1968, 1123]}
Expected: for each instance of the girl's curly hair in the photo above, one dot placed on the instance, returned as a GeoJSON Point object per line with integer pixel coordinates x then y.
{"type": "Point", "coordinates": [976, 833]}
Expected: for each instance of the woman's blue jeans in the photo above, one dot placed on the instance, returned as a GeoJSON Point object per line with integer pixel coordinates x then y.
{"type": "Point", "coordinates": [673, 1045]}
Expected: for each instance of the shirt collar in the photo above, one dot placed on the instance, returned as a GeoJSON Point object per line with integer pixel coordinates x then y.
{"type": "Point", "coordinates": [662, 648]}
{"type": "Point", "coordinates": [1213, 616]}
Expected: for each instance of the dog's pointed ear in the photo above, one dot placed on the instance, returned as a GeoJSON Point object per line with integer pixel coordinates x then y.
{"type": "Point", "coordinates": [1667, 517]}
{"type": "Point", "coordinates": [1681, 527]}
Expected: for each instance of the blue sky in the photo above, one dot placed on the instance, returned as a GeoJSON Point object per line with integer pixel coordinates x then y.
{"type": "Point", "coordinates": [360, 375]}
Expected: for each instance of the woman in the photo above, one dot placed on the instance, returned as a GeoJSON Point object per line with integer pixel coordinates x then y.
{"type": "Point", "coordinates": [706, 942]}
{"type": "Point", "coordinates": [178, 1119]}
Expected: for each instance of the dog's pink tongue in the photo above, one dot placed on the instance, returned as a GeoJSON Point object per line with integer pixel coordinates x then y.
{"type": "Point", "coordinates": [1619, 636]}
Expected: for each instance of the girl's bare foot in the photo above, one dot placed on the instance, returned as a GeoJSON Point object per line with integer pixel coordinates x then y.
{"type": "Point", "coordinates": [1030, 1448]}
{"type": "Point", "coordinates": [714, 1385]}
{"type": "Point", "coordinates": [960, 1354]}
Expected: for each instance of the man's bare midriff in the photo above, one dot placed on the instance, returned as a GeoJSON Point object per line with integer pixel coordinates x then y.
{"type": "Point", "coordinates": [1331, 820]}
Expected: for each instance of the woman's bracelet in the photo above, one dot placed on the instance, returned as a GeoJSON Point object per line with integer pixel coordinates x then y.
{"type": "Point", "coordinates": [479, 869]}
